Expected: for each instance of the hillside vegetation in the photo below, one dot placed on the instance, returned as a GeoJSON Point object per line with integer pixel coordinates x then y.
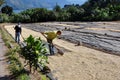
{"type": "Point", "coordinates": [92, 10]}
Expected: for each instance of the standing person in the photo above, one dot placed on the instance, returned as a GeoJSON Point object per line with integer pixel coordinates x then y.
{"type": "Point", "coordinates": [50, 36]}
{"type": "Point", "coordinates": [18, 31]}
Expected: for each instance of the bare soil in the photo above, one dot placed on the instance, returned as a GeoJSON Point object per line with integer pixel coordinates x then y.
{"type": "Point", "coordinates": [80, 62]}
{"type": "Point", "coordinates": [4, 72]}
{"type": "Point", "coordinates": [104, 36]}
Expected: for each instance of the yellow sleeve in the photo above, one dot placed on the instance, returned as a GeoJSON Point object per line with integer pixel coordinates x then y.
{"type": "Point", "coordinates": [46, 32]}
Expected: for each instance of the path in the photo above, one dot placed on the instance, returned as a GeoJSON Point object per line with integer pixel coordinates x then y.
{"type": "Point", "coordinates": [4, 74]}
{"type": "Point", "coordinates": [79, 62]}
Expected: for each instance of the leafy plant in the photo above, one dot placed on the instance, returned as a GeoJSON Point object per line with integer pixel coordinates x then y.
{"type": "Point", "coordinates": [34, 52]}
{"type": "Point", "coordinates": [23, 77]}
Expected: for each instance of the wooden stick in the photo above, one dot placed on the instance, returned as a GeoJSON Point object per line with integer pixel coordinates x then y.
{"type": "Point", "coordinates": [22, 37]}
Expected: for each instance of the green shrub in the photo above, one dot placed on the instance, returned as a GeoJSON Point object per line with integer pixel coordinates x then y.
{"type": "Point", "coordinates": [23, 77]}
{"type": "Point", "coordinates": [4, 18]}
{"type": "Point", "coordinates": [34, 52]}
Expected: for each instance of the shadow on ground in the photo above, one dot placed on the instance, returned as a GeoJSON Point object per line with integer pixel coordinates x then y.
{"type": "Point", "coordinates": [6, 77]}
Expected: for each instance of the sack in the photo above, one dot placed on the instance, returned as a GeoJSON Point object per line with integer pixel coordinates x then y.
{"type": "Point", "coordinates": [60, 51]}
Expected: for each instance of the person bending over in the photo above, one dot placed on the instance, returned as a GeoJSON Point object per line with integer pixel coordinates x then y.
{"type": "Point", "coordinates": [50, 36]}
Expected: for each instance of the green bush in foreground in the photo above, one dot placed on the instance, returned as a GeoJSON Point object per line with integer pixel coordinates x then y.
{"type": "Point", "coordinates": [34, 52]}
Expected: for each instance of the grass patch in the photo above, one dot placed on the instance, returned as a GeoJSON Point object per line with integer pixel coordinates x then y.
{"type": "Point", "coordinates": [23, 77]}
{"type": "Point", "coordinates": [17, 71]}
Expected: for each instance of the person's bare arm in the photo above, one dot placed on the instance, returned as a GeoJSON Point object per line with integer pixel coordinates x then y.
{"type": "Point", "coordinates": [43, 34]}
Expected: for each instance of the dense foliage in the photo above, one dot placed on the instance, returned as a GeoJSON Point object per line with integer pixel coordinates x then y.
{"type": "Point", "coordinates": [92, 10]}
{"type": "Point", "coordinates": [34, 52]}
{"type": "Point", "coordinates": [2, 2]}
{"type": "Point", "coordinates": [7, 10]}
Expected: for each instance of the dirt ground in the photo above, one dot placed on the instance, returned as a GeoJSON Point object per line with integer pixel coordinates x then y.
{"type": "Point", "coordinates": [4, 72]}
{"type": "Point", "coordinates": [78, 62]}
{"type": "Point", "coordinates": [99, 35]}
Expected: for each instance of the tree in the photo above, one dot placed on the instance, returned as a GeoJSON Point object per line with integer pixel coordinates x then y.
{"type": "Point", "coordinates": [57, 8]}
{"type": "Point", "coordinates": [101, 9]}
{"type": "Point", "coordinates": [73, 12]}
{"type": "Point", "coordinates": [51, 16]}
{"type": "Point", "coordinates": [7, 10]}
{"type": "Point", "coordinates": [40, 14]}
{"type": "Point", "coordinates": [2, 2]}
